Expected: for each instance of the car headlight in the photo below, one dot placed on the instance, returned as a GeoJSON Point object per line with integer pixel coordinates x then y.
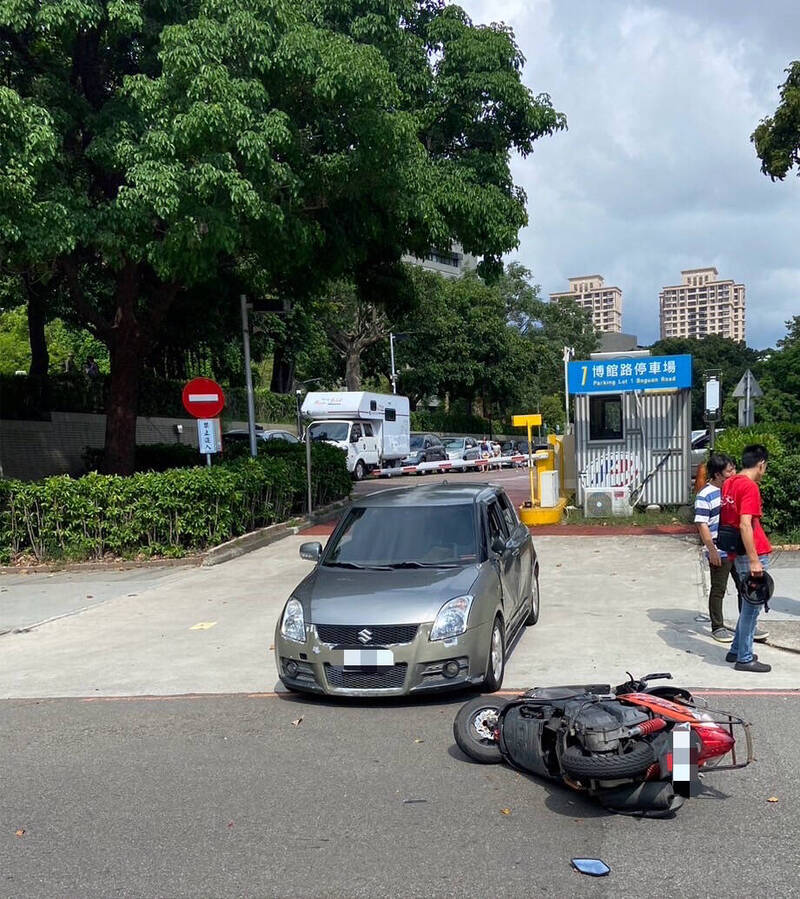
{"type": "Point", "coordinates": [452, 618]}
{"type": "Point", "coordinates": [293, 626]}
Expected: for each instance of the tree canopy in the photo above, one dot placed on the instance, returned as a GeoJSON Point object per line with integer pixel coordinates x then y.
{"type": "Point", "coordinates": [156, 147]}
{"type": "Point", "coordinates": [777, 137]}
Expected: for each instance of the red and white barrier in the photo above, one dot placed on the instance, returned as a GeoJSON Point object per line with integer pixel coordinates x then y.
{"type": "Point", "coordinates": [516, 461]}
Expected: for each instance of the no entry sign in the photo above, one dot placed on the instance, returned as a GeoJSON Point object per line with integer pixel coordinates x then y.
{"type": "Point", "coordinates": [203, 398]}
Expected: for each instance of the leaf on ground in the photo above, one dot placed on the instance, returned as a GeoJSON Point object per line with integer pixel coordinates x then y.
{"type": "Point", "coordinates": [772, 799]}
{"type": "Point", "coordinates": [230, 823]}
{"type": "Point", "coordinates": [20, 832]}
{"type": "Point", "coordinates": [297, 721]}
{"type": "Point", "coordinates": [505, 811]}
{"type": "Point", "coordinates": [417, 740]}
{"type": "Point", "coordinates": [271, 647]}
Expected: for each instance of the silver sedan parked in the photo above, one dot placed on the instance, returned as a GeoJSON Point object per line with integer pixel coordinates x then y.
{"type": "Point", "coordinates": [417, 590]}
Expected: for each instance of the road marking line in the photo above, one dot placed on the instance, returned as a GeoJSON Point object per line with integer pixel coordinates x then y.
{"type": "Point", "coordinates": [202, 625]}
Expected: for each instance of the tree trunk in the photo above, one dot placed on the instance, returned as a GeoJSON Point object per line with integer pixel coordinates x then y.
{"type": "Point", "coordinates": [352, 367]}
{"type": "Point", "coordinates": [125, 351]}
{"type": "Point", "coordinates": [282, 370]}
{"type": "Point", "coordinates": [40, 358]}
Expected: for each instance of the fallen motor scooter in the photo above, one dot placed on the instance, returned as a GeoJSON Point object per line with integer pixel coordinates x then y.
{"type": "Point", "coordinates": [616, 745]}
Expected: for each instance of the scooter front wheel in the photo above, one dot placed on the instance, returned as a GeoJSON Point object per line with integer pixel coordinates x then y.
{"type": "Point", "coordinates": [474, 726]}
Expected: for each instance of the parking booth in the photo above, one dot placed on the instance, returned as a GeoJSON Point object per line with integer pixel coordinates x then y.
{"type": "Point", "coordinates": [632, 432]}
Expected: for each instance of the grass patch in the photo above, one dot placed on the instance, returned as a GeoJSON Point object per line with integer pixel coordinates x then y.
{"type": "Point", "coordinates": [641, 518]}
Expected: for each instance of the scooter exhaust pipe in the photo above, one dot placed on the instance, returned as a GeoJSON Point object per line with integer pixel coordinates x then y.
{"type": "Point", "coordinates": [653, 796]}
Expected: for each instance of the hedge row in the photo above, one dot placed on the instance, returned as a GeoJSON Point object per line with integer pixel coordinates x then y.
{"type": "Point", "coordinates": [780, 488]}
{"type": "Point", "coordinates": [168, 513]}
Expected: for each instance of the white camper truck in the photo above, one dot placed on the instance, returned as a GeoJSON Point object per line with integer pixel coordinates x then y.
{"type": "Point", "coordinates": [373, 428]}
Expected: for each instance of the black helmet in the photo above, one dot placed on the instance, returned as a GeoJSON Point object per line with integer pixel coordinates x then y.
{"type": "Point", "coordinates": [758, 590]}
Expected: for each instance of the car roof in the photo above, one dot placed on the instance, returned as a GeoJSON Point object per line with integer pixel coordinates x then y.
{"type": "Point", "coordinates": [428, 495]}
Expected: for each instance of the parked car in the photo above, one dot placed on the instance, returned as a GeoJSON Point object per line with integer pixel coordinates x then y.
{"type": "Point", "coordinates": [700, 446]}
{"type": "Point", "coordinates": [417, 590]}
{"type": "Point", "coordinates": [242, 435]}
{"type": "Point", "coordinates": [425, 448]}
{"type": "Point", "coordinates": [461, 448]}
{"type": "Point", "coordinates": [514, 447]}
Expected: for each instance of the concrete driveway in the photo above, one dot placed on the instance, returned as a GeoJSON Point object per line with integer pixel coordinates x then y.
{"type": "Point", "coordinates": [608, 605]}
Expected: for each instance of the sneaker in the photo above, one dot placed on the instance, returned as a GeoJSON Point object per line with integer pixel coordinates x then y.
{"type": "Point", "coordinates": [723, 635]}
{"type": "Point", "coordinates": [732, 657]}
{"type": "Point", "coordinates": [760, 667]}
{"type": "Point", "coordinates": [761, 634]}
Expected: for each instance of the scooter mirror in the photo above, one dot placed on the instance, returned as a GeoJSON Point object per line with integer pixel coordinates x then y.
{"type": "Point", "coordinates": [591, 866]}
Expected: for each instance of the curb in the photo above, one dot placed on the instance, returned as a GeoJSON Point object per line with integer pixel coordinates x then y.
{"type": "Point", "coordinates": [265, 536]}
{"type": "Point", "coordinates": [217, 555]}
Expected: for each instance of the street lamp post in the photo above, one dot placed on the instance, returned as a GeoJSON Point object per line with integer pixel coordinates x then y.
{"type": "Point", "coordinates": [391, 356]}
{"type": "Point", "coordinates": [569, 353]}
{"type": "Point", "coordinates": [297, 396]}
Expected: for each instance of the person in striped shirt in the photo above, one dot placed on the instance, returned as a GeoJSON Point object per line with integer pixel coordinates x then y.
{"type": "Point", "coordinates": [706, 516]}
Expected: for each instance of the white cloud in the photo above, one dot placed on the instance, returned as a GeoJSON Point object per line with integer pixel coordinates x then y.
{"type": "Point", "coordinates": [657, 172]}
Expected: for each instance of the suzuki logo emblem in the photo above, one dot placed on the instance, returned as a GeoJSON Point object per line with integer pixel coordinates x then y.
{"type": "Point", "coordinates": [365, 636]}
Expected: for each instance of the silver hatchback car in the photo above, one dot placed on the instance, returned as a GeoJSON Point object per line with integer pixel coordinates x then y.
{"type": "Point", "coordinates": [417, 590]}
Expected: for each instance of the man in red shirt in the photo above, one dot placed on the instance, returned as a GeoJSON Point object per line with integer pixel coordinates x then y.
{"type": "Point", "coordinates": [741, 509]}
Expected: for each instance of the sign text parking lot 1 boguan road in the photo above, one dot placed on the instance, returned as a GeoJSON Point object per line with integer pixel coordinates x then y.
{"type": "Point", "coordinates": [625, 375]}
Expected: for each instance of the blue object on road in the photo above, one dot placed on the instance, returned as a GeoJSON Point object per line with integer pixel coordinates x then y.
{"type": "Point", "coordinates": [594, 867]}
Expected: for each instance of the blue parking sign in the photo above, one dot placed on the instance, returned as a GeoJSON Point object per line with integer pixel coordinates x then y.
{"type": "Point", "coordinates": [626, 375]}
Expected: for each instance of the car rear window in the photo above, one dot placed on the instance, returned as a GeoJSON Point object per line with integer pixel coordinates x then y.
{"type": "Point", "coordinates": [428, 535]}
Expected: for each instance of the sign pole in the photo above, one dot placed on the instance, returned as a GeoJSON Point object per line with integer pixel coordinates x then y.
{"type": "Point", "coordinates": [308, 468]}
{"type": "Point", "coordinates": [248, 378]}
{"type": "Point", "coordinates": [208, 459]}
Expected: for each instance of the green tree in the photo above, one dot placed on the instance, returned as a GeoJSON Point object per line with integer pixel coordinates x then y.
{"type": "Point", "coordinates": [779, 377]}
{"type": "Point", "coordinates": [278, 144]}
{"type": "Point", "coordinates": [777, 137]}
{"type": "Point", "coordinates": [731, 357]}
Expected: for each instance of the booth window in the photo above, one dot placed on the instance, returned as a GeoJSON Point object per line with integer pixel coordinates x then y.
{"type": "Point", "coordinates": [390, 415]}
{"type": "Point", "coordinates": [605, 418]}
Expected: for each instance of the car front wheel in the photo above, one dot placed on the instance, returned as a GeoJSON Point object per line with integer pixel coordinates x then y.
{"type": "Point", "coordinates": [496, 663]}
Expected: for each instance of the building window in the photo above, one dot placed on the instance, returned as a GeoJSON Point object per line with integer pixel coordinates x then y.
{"type": "Point", "coordinates": [605, 418]}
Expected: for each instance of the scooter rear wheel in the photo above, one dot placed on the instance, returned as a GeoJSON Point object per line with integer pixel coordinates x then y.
{"type": "Point", "coordinates": [609, 766]}
{"type": "Point", "coordinates": [473, 729]}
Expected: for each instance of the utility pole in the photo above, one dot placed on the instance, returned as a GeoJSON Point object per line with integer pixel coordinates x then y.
{"type": "Point", "coordinates": [248, 379]}
{"type": "Point", "coordinates": [391, 356]}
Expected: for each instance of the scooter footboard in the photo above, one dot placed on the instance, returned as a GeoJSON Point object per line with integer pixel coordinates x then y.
{"type": "Point", "coordinates": [521, 741]}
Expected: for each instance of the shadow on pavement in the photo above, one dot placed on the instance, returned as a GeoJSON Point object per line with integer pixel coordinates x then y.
{"type": "Point", "coordinates": [678, 632]}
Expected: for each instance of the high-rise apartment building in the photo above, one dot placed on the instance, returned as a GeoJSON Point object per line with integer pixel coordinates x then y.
{"type": "Point", "coordinates": [702, 305]}
{"type": "Point", "coordinates": [604, 303]}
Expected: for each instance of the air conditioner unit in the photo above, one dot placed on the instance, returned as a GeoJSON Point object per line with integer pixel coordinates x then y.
{"type": "Point", "coordinates": [607, 502]}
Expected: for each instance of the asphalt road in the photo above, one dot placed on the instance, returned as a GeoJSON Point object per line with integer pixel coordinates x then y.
{"type": "Point", "coordinates": [223, 796]}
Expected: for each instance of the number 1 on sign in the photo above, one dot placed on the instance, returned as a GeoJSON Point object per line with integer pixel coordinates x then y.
{"type": "Point", "coordinates": [585, 371]}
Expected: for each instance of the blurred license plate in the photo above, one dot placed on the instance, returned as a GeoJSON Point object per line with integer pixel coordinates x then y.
{"type": "Point", "coordinates": [373, 658]}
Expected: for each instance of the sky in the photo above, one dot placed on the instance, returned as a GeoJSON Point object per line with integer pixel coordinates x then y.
{"type": "Point", "coordinates": [656, 172]}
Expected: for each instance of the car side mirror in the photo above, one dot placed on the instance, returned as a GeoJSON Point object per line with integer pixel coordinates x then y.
{"type": "Point", "coordinates": [498, 546]}
{"type": "Point", "coordinates": [311, 552]}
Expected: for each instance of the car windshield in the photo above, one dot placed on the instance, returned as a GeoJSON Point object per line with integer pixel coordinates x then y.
{"type": "Point", "coordinates": [454, 442]}
{"type": "Point", "coordinates": [329, 430]}
{"type": "Point", "coordinates": [406, 537]}
{"type": "Point", "coordinates": [416, 443]}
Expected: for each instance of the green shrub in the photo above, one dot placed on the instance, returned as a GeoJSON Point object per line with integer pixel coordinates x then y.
{"type": "Point", "coordinates": [780, 488]}
{"type": "Point", "coordinates": [149, 457]}
{"type": "Point", "coordinates": [167, 513]}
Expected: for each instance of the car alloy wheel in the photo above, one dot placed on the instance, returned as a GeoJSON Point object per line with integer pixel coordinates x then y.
{"type": "Point", "coordinates": [533, 614]}
{"type": "Point", "coordinates": [496, 663]}
{"type": "Point", "coordinates": [360, 470]}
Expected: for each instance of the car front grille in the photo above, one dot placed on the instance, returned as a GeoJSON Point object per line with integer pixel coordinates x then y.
{"type": "Point", "coordinates": [381, 634]}
{"type": "Point", "coordinates": [387, 678]}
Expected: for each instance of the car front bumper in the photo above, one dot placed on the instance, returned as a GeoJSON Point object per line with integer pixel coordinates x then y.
{"type": "Point", "coordinates": [418, 666]}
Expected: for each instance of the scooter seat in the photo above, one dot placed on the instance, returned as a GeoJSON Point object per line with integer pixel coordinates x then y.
{"type": "Point", "coordinates": [566, 692]}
